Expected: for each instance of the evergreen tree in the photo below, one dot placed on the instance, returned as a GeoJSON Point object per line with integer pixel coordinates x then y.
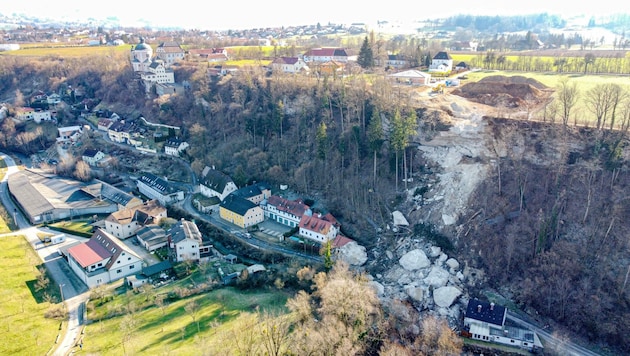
{"type": "Point", "coordinates": [366, 56]}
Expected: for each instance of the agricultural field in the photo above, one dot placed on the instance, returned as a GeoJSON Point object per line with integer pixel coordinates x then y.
{"type": "Point", "coordinates": [65, 51]}
{"type": "Point", "coordinates": [22, 304]}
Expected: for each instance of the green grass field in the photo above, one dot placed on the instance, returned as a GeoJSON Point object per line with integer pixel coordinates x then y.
{"type": "Point", "coordinates": [66, 52]}
{"type": "Point", "coordinates": [25, 331]}
{"type": "Point", "coordinates": [77, 227]}
{"type": "Point", "coordinates": [171, 330]}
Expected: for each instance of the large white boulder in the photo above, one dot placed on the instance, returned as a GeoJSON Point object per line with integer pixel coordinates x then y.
{"type": "Point", "coordinates": [414, 259]}
{"type": "Point", "coordinates": [437, 277]}
{"type": "Point", "coordinates": [415, 293]}
{"type": "Point", "coordinates": [353, 254]}
{"type": "Point", "coordinates": [445, 296]}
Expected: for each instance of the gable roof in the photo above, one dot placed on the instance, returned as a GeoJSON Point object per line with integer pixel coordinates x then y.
{"type": "Point", "coordinates": [315, 224]}
{"type": "Point", "coordinates": [251, 190]}
{"type": "Point", "coordinates": [286, 60]}
{"type": "Point", "coordinates": [101, 246]}
{"type": "Point", "coordinates": [413, 73]}
{"type": "Point", "coordinates": [156, 183]}
{"type": "Point", "coordinates": [486, 312]}
{"type": "Point", "coordinates": [237, 204]}
{"type": "Point", "coordinates": [184, 230]}
{"type": "Point", "coordinates": [442, 55]}
{"type": "Point", "coordinates": [327, 52]}
{"type": "Point", "coordinates": [90, 152]}
{"type": "Point", "coordinates": [214, 179]}
{"type": "Point", "coordinates": [295, 207]}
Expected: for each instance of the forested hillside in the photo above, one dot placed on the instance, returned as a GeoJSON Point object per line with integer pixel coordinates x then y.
{"type": "Point", "coordinates": [549, 227]}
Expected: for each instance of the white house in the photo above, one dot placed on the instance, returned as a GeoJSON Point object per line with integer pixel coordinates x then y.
{"type": "Point", "coordinates": [92, 156]}
{"type": "Point", "coordinates": [289, 65]}
{"type": "Point", "coordinates": [441, 62]}
{"type": "Point", "coordinates": [284, 211]}
{"type": "Point", "coordinates": [103, 259]}
{"type": "Point", "coordinates": [486, 322]}
{"type": "Point", "coordinates": [141, 57]}
{"type": "Point", "coordinates": [157, 188]}
{"type": "Point", "coordinates": [322, 55]}
{"type": "Point", "coordinates": [174, 146]}
{"type": "Point", "coordinates": [169, 52]}
{"type": "Point", "coordinates": [69, 134]}
{"type": "Point", "coordinates": [214, 183]}
{"type": "Point", "coordinates": [184, 241]}
{"type": "Point", "coordinates": [317, 229]}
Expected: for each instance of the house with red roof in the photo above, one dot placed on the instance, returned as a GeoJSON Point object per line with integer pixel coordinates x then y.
{"type": "Point", "coordinates": [284, 211]}
{"type": "Point", "coordinates": [317, 229]}
{"type": "Point", "coordinates": [103, 259]}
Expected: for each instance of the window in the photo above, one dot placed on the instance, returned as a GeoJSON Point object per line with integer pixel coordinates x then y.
{"type": "Point", "coordinates": [119, 271]}
{"type": "Point", "coordinates": [132, 267]}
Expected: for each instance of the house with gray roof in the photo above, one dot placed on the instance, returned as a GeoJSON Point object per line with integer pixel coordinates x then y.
{"type": "Point", "coordinates": [151, 237]}
{"type": "Point", "coordinates": [255, 193]}
{"type": "Point", "coordinates": [184, 241]}
{"type": "Point", "coordinates": [214, 183]}
{"type": "Point", "coordinates": [158, 188]}
{"type": "Point", "coordinates": [240, 211]}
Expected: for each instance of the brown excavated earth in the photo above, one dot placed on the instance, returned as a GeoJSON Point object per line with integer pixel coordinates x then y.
{"type": "Point", "coordinates": [511, 92]}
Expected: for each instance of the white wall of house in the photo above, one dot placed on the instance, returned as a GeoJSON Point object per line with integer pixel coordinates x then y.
{"type": "Point", "coordinates": [121, 231]}
{"type": "Point", "coordinates": [319, 237]}
{"type": "Point", "coordinates": [253, 216]}
{"type": "Point", "coordinates": [208, 192]}
{"type": "Point", "coordinates": [187, 249]}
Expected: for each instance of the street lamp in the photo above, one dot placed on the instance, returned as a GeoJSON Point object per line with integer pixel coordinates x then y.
{"type": "Point", "coordinates": [61, 291]}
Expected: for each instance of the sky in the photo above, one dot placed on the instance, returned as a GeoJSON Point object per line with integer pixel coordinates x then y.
{"type": "Point", "coordinates": [247, 14]}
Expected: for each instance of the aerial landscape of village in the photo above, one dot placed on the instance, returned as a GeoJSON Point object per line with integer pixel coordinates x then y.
{"type": "Point", "coordinates": [456, 186]}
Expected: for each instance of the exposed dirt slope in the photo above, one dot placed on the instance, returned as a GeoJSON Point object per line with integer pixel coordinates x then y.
{"type": "Point", "coordinates": [511, 92]}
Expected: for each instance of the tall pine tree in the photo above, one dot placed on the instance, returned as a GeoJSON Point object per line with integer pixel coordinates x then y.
{"type": "Point", "coordinates": [366, 56]}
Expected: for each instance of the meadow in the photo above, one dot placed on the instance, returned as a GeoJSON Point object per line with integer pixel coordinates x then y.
{"type": "Point", "coordinates": [212, 322]}
{"type": "Point", "coordinates": [66, 51]}
{"type": "Point", "coordinates": [25, 330]}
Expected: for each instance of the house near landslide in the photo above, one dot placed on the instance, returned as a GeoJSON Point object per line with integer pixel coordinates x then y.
{"type": "Point", "coordinates": [317, 229]}
{"type": "Point", "coordinates": [487, 322]}
{"type": "Point", "coordinates": [255, 193]}
{"type": "Point", "coordinates": [284, 211]}
{"type": "Point", "coordinates": [103, 259]}
{"type": "Point", "coordinates": [92, 156]}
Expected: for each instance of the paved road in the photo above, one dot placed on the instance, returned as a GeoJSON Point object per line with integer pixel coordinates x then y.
{"type": "Point", "coordinates": [552, 341]}
{"type": "Point", "coordinates": [73, 291]}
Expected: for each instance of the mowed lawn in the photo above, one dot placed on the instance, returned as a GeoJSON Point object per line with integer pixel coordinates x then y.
{"type": "Point", "coordinates": [25, 331]}
{"type": "Point", "coordinates": [223, 315]}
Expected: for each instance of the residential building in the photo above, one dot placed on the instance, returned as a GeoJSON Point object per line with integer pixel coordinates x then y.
{"type": "Point", "coordinates": [322, 55]}
{"type": "Point", "coordinates": [284, 211]}
{"type": "Point", "coordinates": [184, 241]}
{"type": "Point", "coordinates": [158, 188]}
{"type": "Point", "coordinates": [441, 62]}
{"type": "Point", "coordinates": [151, 237]}
{"type": "Point", "coordinates": [123, 199]}
{"type": "Point", "coordinates": [395, 61]}
{"type": "Point", "coordinates": [214, 183]}
{"type": "Point", "coordinates": [92, 156]}
{"type": "Point", "coordinates": [53, 99]}
{"type": "Point", "coordinates": [317, 229]}
{"type": "Point", "coordinates": [174, 146]}
{"type": "Point", "coordinates": [289, 65]}
{"type": "Point", "coordinates": [27, 114]}
{"type": "Point", "coordinates": [157, 73]}
{"type": "Point", "coordinates": [69, 134]}
{"type": "Point", "coordinates": [126, 222]}
{"type": "Point", "coordinates": [255, 193]}
{"type": "Point", "coordinates": [486, 322]}
{"type": "Point", "coordinates": [103, 259]}
{"type": "Point", "coordinates": [169, 52]}
{"type": "Point", "coordinates": [240, 211]}
{"type": "Point", "coordinates": [104, 124]}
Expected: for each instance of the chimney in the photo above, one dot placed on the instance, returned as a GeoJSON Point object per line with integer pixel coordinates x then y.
{"type": "Point", "coordinates": [491, 306]}
{"type": "Point", "coordinates": [478, 308]}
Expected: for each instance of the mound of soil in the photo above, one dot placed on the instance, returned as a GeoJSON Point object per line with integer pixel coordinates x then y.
{"type": "Point", "coordinates": [499, 90]}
